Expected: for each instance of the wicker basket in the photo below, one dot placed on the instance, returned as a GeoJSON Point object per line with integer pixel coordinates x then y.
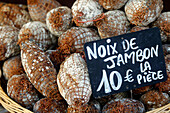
{"type": "Point", "coordinates": [13, 107]}
{"type": "Point", "coordinates": [10, 105]}
{"type": "Point", "coordinates": [164, 109]}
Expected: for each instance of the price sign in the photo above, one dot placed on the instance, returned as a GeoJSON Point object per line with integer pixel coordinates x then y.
{"type": "Point", "coordinates": [125, 62]}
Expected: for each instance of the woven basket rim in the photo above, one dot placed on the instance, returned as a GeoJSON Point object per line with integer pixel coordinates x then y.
{"type": "Point", "coordinates": [13, 107]}
{"type": "Point", "coordinates": [164, 109]}
{"type": "Point", "coordinates": [10, 105]}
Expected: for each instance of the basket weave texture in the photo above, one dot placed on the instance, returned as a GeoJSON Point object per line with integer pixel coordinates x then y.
{"type": "Point", "coordinates": [10, 105]}
{"type": "Point", "coordinates": [13, 107]}
{"type": "Point", "coordinates": [164, 109]}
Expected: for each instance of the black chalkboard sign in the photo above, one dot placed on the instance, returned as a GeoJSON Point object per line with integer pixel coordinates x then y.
{"type": "Point", "coordinates": [125, 62]}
